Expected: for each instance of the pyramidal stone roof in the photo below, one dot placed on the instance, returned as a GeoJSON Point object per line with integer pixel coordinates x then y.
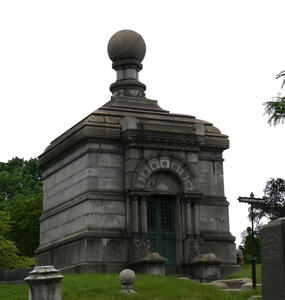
{"type": "Point", "coordinates": [129, 110]}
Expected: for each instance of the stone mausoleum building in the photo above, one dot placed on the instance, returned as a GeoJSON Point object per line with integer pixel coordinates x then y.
{"type": "Point", "coordinates": [132, 179]}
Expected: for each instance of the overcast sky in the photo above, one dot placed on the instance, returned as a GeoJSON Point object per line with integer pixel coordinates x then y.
{"type": "Point", "coordinates": [216, 60]}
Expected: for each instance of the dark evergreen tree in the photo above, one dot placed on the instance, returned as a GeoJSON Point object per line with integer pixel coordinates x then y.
{"type": "Point", "coordinates": [246, 245]}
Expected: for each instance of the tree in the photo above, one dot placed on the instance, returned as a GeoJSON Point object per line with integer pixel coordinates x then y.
{"type": "Point", "coordinates": [275, 109]}
{"type": "Point", "coordinates": [19, 177]}
{"type": "Point", "coordinates": [274, 206]}
{"type": "Point", "coordinates": [24, 221]}
{"type": "Point", "coordinates": [246, 245]}
{"type": "Point", "coordinates": [21, 202]}
{"type": "Point", "coordinates": [9, 258]}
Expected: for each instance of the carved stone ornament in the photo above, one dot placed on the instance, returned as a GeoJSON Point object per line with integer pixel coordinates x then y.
{"type": "Point", "coordinates": [141, 248]}
{"type": "Point", "coordinates": [162, 183]}
{"type": "Point", "coordinates": [162, 164]}
{"type": "Point", "coordinates": [195, 246]}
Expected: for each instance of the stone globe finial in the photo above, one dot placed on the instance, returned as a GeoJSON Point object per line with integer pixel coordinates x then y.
{"type": "Point", "coordinates": [126, 49]}
{"type": "Point", "coordinates": [126, 44]}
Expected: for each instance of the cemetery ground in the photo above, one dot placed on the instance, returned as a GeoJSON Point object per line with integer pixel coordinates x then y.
{"type": "Point", "coordinates": [107, 287]}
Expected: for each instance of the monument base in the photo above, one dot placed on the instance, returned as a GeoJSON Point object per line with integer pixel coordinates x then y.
{"type": "Point", "coordinates": [152, 264]}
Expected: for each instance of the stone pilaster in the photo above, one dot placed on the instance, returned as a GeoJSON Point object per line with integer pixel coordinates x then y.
{"type": "Point", "coordinates": [143, 201]}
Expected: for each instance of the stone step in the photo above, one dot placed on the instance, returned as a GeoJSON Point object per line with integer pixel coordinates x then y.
{"type": "Point", "coordinates": [248, 286]}
{"type": "Point", "coordinates": [233, 283]}
{"type": "Point", "coordinates": [232, 290]}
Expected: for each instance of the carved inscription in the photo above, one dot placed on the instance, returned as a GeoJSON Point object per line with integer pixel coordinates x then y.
{"type": "Point", "coordinates": [272, 255]}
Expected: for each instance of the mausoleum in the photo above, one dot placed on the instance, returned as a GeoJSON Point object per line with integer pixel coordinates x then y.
{"type": "Point", "coordinates": [133, 179]}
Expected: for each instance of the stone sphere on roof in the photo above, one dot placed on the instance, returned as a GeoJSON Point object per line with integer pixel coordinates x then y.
{"type": "Point", "coordinates": [126, 44]}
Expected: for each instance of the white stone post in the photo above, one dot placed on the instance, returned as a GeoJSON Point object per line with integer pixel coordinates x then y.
{"type": "Point", "coordinates": [44, 283]}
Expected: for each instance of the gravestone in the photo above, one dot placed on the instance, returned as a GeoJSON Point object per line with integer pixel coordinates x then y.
{"type": "Point", "coordinates": [273, 260]}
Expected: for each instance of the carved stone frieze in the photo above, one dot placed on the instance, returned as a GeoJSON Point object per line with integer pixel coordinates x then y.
{"type": "Point", "coordinates": [141, 248]}
{"type": "Point", "coordinates": [188, 179]}
{"type": "Point", "coordinates": [195, 247]}
{"type": "Point", "coordinates": [159, 140]}
{"type": "Point", "coordinates": [160, 182]}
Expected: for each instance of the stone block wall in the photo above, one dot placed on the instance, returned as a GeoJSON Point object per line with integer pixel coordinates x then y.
{"type": "Point", "coordinates": [83, 196]}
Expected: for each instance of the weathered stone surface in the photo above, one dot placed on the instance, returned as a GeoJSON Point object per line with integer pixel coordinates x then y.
{"type": "Point", "coordinates": [232, 290]}
{"type": "Point", "coordinates": [127, 278]}
{"type": "Point", "coordinates": [233, 283]}
{"type": "Point", "coordinates": [44, 283]}
{"type": "Point", "coordinates": [206, 267]}
{"type": "Point", "coordinates": [100, 176]}
{"type": "Point", "coordinates": [207, 259]}
{"type": "Point", "coordinates": [218, 285]}
{"type": "Point", "coordinates": [273, 260]}
{"type": "Point", "coordinates": [248, 286]}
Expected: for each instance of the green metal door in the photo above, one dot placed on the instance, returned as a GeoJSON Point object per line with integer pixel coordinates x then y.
{"type": "Point", "coordinates": [161, 227]}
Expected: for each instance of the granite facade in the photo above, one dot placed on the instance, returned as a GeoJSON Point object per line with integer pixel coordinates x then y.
{"type": "Point", "coordinates": [99, 177]}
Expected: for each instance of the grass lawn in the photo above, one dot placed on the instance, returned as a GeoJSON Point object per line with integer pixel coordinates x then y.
{"type": "Point", "coordinates": [246, 273]}
{"type": "Point", "coordinates": [107, 287]}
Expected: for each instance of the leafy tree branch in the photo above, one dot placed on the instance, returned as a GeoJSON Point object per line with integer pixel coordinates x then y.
{"type": "Point", "coordinates": [275, 109]}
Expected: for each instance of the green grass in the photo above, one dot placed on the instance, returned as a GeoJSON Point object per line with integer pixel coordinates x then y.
{"type": "Point", "coordinates": [107, 287]}
{"type": "Point", "coordinates": [246, 273]}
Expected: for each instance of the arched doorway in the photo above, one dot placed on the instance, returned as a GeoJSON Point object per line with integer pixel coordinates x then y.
{"type": "Point", "coordinates": [161, 207]}
{"type": "Point", "coordinates": [161, 227]}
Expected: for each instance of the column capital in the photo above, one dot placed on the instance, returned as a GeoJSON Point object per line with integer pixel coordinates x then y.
{"type": "Point", "coordinates": [144, 196]}
{"type": "Point", "coordinates": [136, 193]}
{"type": "Point", "coordinates": [192, 197]}
{"type": "Point", "coordinates": [134, 197]}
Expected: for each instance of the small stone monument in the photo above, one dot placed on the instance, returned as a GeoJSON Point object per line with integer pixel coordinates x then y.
{"type": "Point", "coordinates": [206, 267]}
{"type": "Point", "coordinates": [239, 256]}
{"type": "Point", "coordinates": [153, 263]}
{"type": "Point", "coordinates": [127, 278]}
{"type": "Point", "coordinates": [273, 260]}
{"type": "Point", "coordinates": [44, 283]}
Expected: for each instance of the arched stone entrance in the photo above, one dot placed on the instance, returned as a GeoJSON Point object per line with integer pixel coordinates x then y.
{"type": "Point", "coordinates": [161, 208]}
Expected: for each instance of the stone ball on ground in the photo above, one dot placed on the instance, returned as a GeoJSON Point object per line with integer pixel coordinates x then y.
{"type": "Point", "coordinates": [126, 44]}
{"type": "Point", "coordinates": [127, 277]}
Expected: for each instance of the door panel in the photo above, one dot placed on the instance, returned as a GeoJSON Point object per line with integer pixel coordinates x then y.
{"type": "Point", "coordinates": [161, 227]}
